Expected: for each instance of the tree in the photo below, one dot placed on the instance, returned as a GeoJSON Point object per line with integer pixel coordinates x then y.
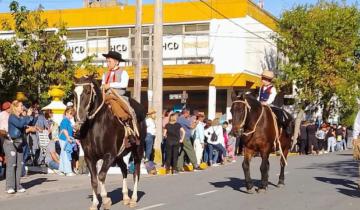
{"type": "Point", "coordinates": [318, 43]}
{"type": "Point", "coordinates": [35, 58]}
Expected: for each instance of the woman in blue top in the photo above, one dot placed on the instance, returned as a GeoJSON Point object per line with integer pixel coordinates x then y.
{"type": "Point", "coordinates": [66, 142]}
{"type": "Point", "coordinates": [13, 147]}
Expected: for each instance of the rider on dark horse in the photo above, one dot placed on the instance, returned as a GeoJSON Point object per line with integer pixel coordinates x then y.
{"type": "Point", "coordinates": [115, 81]}
{"type": "Point", "coordinates": [267, 94]}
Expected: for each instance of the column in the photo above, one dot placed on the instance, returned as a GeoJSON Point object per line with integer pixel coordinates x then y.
{"type": "Point", "coordinates": [212, 102]}
{"type": "Point", "coordinates": [228, 104]}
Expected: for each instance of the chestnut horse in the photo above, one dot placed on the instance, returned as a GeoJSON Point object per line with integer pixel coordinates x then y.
{"type": "Point", "coordinates": [257, 126]}
{"type": "Point", "coordinates": [102, 137]}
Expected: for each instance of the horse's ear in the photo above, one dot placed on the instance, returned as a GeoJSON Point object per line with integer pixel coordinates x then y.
{"type": "Point", "coordinates": [233, 96]}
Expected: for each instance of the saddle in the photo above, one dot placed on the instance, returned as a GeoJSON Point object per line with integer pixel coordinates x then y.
{"type": "Point", "coordinates": [126, 116]}
{"type": "Point", "coordinates": [283, 119]}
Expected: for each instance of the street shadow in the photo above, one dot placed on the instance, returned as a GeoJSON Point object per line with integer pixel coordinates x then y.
{"type": "Point", "coordinates": [351, 188]}
{"type": "Point", "coordinates": [35, 182]}
{"type": "Point", "coordinates": [347, 168]}
{"type": "Point", "coordinates": [117, 196]}
{"type": "Point", "coordinates": [236, 184]}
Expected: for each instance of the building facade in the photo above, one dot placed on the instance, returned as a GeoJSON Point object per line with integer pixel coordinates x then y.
{"type": "Point", "coordinates": [208, 48]}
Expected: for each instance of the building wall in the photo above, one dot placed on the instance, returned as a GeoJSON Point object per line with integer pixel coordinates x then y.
{"type": "Point", "coordinates": [236, 46]}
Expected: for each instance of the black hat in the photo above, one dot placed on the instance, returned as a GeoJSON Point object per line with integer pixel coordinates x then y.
{"type": "Point", "coordinates": [114, 55]}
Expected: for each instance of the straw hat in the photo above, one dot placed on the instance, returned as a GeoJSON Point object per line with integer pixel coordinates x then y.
{"type": "Point", "coordinates": [151, 111]}
{"type": "Point", "coordinates": [268, 74]}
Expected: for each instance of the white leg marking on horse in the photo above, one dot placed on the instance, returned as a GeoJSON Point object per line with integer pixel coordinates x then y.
{"type": "Point", "coordinates": [134, 195]}
{"type": "Point", "coordinates": [103, 191]}
{"type": "Point", "coordinates": [99, 164]}
{"type": "Point", "coordinates": [125, 190]}
{"type": "Point", "coordinates": [95, 200]}
{"type": "Point", "coordinates": [78, 90]}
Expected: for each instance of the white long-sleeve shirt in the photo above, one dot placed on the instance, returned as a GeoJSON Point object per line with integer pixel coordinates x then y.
{"type": "Point", "coordinates": [356, 126]}
{"type": "Point", "coordinates": [150, 126]}
{"type": "Point", "coordinates": [122, 84]}
{"type": "Point", "coordinates": [272, 95]}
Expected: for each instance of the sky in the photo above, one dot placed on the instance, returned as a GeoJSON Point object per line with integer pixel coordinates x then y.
{"type": "Point", "coordinates": [275, 7]}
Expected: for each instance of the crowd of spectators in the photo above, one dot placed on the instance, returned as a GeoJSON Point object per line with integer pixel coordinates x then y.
{"type": "Point", "coordinates": [321, 139]}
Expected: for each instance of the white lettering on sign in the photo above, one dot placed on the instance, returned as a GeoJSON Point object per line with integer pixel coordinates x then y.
{"type": "Point", "coordinates": [120, 45]}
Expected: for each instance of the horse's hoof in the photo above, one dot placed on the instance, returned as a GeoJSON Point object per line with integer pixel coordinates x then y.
{"type": "Point", "coordinates": [132, 204]}
{"type": "Point", "coordinates": [280, 185]}
{"type": "Point", "coordinates": [126, 202]}
{"type": "Point", "coordinates": [93, 207]}
{"type": "Point", "coordinates": [250, 191]}
{"type": "Point", "coordinates": [107, 203]}
{"type": "Point", "coordinates": [261, 190]}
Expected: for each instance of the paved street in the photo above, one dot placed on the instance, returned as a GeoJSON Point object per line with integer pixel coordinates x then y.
{"type": "Point", "coordinates": [312, 182]}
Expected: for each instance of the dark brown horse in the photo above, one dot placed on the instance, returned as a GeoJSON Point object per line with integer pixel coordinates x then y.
{"type": "Point", "coordinates": [102, 137]}
{"type": "Point", "coordinates": [258, 129]}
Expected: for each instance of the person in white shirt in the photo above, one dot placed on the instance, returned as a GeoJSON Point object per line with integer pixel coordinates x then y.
{"type": "Point", "coordinates": [199, 137]}
{"type": "Point", "coordinates": [150, 133]}
{"type": "Point", "coordinates": [267, 92]}
{"type": "Point", "coordinates": [215, 140]}
{"type": "Point", "coordinates": [4, 116]}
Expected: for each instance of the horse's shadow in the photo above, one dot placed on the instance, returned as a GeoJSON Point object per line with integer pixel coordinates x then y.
{"type": "Point", "coordinates": [116, 196]}
{"type": "Point", "coordinates": [236, 184]}
{"type": "Point", "coordinates": [351, 188]}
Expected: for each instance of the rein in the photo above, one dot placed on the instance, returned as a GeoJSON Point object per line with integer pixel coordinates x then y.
{"type": "Point", "coordinates": [92, 95]}
{"type": "Point", "coordinates": [247, 109]}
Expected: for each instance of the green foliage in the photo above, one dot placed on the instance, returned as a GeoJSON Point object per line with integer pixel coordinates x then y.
{"type": "Point", "coordinates": [318, 42]}
{"type": "Point", "coordinates": [35, 57]}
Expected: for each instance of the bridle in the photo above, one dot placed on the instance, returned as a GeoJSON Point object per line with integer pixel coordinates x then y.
{"type": "Point", "coordinates": [92, 99]}
{"type": "Point", "coordinates": [247, 109]}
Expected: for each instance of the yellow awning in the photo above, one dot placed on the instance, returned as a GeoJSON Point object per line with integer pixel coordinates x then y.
{"type": "Point", "coordinates": [236, 80]}
{"type": "Point", "coordinates": [170, 71]}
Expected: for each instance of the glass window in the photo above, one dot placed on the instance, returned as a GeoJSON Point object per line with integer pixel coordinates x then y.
{"type": "Point", "coordinates": [173, 30]}
{"type": "Point", "coordinates": [195, 28]}
{"type": "Point", "coordinates": [76, 34]}
{"type": "Point", "coordinates": [92, 33]}
{"type": "Point", "coordinates": [119, 32]}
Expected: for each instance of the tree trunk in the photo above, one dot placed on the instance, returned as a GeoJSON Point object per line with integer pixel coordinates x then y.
{"type": "Point", "coordinates": [298, 120]}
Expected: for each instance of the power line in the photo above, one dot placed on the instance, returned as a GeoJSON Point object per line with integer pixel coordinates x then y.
{"type": "Point", "coordinates": [235, 23]}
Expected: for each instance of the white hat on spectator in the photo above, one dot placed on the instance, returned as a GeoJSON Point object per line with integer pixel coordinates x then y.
{"type": "Point", "coordinates": [69, 104]}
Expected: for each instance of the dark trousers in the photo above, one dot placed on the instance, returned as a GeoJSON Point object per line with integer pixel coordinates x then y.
{"type": "Point", "coordinates": [303, 144]}
{"type": "Point", "coordinates": [172, 153]}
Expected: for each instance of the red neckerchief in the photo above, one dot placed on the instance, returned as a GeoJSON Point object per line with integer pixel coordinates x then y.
{"type": "Point", "coordinates": [114, 76]}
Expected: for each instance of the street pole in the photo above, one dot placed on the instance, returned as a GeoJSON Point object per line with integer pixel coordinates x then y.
{"type": "Point", "coordinates": [138, 52]}
{"type": "Point", "coordinates": [158, 77]}
{"type": "Point", "coordinates": [150, 70]}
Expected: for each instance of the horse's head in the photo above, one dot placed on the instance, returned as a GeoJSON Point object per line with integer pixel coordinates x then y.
{"type": "Point", "coordinates": [239, 111]}
{"type": "Point", "coordinates": [87, 94]}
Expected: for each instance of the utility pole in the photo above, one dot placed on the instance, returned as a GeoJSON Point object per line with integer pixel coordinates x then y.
{"type": "Point", "coordinates": [150, 70]}
{"type": "Point", "coordinates": [138, 52]}
{"type": "Point", "coordinates": [158, 76]}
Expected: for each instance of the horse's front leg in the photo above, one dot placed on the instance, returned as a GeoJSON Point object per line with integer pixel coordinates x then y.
{"type": "Point", "coordinates": [264, 168]}
{"type": "Point", "coordinates": [107, 162]}
{"type": "Point", "coordinates": [246, 167]}
{"type": "Point", "coordinates": [94, 182]}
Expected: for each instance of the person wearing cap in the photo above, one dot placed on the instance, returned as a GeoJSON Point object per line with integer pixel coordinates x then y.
{"type": "Point", "coordinates": [199, 136]}
{"type": "Point", "coordinates": [150, 133]}
{"type": "Point", "coordinates": [267, 91]}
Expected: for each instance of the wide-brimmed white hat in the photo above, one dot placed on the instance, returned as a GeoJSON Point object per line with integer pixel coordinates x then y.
{"type": "Point", "coordinates": [268, 74]}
